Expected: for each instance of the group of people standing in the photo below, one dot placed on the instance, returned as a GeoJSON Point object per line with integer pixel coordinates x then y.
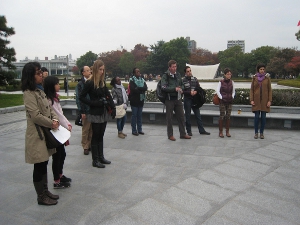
{"type": "Point", "coordinates": [96, 104]}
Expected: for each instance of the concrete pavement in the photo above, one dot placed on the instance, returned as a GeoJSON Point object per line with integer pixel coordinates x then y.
{"type": "Point", "coordinates": [205, 180]}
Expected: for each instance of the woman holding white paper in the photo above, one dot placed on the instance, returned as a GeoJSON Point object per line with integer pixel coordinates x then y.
{"type": "Point", "coordinates": [38, 113]}
{"type": "Point", "coordinates": [51, 87]}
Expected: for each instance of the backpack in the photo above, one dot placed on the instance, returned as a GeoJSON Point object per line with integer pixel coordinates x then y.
{"type": "Point", "coordinates": [161, 95]}
{"type": "Point", "coordinates": [200, 98]}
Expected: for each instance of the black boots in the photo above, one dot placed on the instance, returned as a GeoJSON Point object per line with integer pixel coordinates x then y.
{"type": "Point", "coordinates": [46, 191]}
{"type": "Point", "coordinates": [101, 155]}
{"type": "Point", "coordinates": [43, 192]}
{"type": "Point", "coordinates": [95, 156]}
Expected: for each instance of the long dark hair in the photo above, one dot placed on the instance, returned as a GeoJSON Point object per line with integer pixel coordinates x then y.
{"type": "Point", "coordinates": [49, 87]}
{"type": "Point", "coordinates": [28, 76]}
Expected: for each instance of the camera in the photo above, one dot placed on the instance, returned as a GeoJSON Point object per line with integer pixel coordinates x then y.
{"type": "Point", "coordinates": [104, 100]}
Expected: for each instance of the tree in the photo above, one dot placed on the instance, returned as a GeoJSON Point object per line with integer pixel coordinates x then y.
{"type": "Point", "coordinates": [87, 59]}
{"type": "Point", "coordinates": [203, 57]}
{"type": "Point", "coordinates": [75, 70]}
{"type": "Point", "coordinates": [140, 52]}
{"type": "Point", "coordinates": [232, 58]}
{"type": "Point", "coordinates": [276, 66]}
{"type": "Point", "coordinates": [162, 52]}
{"type": "Point", "coordinates": [177, 49]}
{"type": "Point", "coordinates": [7, 54]}
{"type": "Point", "coordinates": [111, 60]}
{"type": "Point", "coordinates": [126, 63]}
{"type": "Point", "coordinates": [294, 65]}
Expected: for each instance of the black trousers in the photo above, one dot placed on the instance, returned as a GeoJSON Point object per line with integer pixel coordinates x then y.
{"type": "Point", "coordinates": [39, 169]}
{"type": "Point", "coordinates": [58, 160]}
{"type": "Point", "coordinates": [98, 133]}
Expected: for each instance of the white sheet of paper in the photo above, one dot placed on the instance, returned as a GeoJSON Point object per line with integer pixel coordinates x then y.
{"type": "Point", "coordinates": [61, 134]}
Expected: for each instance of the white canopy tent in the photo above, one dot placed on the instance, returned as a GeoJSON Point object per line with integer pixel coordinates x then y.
{"type": "Point", "coordinates": [204, 72]}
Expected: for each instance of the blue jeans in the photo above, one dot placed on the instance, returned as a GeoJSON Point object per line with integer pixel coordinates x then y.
{"type": "Point", "coordinates": [187, 110]}
{"type": "Point", "coordinates": [121, 122]}
{"type": "Point", "coordinates": [262, 121]}
{"type": "Point", "coordinates": [136, 119]}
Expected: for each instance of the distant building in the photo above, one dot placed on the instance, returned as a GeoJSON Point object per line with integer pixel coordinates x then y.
{"type": "Point", "coordinates": [240, 43]}
{"type": "Point", "coordinates": [192, 45]}
{"type": "Point", "coordinates": [56, 66]}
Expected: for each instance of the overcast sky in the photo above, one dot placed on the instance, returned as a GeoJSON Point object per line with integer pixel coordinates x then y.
{"type": "Point", "coordinates": [52, 27]}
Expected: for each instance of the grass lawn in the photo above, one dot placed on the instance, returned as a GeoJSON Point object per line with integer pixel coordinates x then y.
{"type": "Point", "coordinates": [8, 100]}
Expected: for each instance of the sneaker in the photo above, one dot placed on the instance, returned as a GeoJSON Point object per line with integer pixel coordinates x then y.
{"type": "Point", "coordinates": [262, 136]}
{"type": "Point", "coordinates": [61, 185]}
{"type": "Point", "coordinates": [256, 136]}
{"type": "Point", "coordinates": [65, 179]}
{"type": "Point", "coordinates": [190, 134]}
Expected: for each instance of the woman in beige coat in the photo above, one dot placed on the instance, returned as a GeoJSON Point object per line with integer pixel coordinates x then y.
{"type": "Point", "coordinates": [260, 98]}
{"type": "Point", "coordinates": [38, 112]}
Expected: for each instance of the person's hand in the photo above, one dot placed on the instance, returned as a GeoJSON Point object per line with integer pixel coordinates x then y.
{"type": "Point", "coordinates": [178, 89]}
{"type": "Point", "coordinates": [70, 127]}
{"type": "Point", "coordinates": [268, 104]}
{"type": "Point", "coordinates": [55, 124]}
{"type": "Point", "coordinates": [124, 106]}
{"type": "Point", "coordinates": [83, 116]}
{"type": "Point", "coordinates": [252, 103]}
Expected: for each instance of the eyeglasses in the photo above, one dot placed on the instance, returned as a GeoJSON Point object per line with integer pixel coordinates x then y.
{"type": "Point", "coordinates": [38, 72]}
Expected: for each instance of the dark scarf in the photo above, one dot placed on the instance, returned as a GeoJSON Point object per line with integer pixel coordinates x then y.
{"type": "Point", "coordinates": [40, 86]}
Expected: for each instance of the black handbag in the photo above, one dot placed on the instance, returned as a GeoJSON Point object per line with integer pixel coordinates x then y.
{"type": "Point", "coordinates": [78, 120]}
{"type": "Point", "coordinates": [51, 141]}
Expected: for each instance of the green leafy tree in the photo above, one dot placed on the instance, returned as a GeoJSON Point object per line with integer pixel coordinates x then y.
{"type": "Point", "coordinates": [177, 49]}
{"type": "Point", "coordinates": [162, 52]}
{"type": "Point", "coordinates": [232, 58]}
{"type": "Point", "coordinates": [7, 54]}
{"type": "Point", "coordinates": [157, 60]}
{"type": "Point", "coordinates": [127, 63]}
{"type": "Point", "coordinates": [87, 59]}
{"type": "Point", "coordinates": [262, 55]}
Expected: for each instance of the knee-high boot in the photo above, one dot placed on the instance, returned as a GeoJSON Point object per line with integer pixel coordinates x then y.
{"type": "Point", "coordinates": [101, 155]}
{"type": "Point", "coordinates": [221, 128]}
{"type": "Point", "coordinates": [227, 128]}
{"type": "Point", "coordinates": [95, 156]}
{"type": "Point", "coordinates": [42, 197]}
{"type": "Point", "coordinates": [46, 191]}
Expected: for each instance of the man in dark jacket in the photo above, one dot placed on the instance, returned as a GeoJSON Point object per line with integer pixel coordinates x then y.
{"type": "Point", "coordinates": [86, 125]}
{"type": "Point", "coordinates": [190, 84]}
{"type": "Point", "coordinates": [171, 83]}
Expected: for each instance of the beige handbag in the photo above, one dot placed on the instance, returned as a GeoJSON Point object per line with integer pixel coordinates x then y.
{"type": "Point", "coordinates": [120, 111]}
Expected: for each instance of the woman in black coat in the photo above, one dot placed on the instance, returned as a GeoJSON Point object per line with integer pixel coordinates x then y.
{"type": "Point", "coordinates": [138, 87]}
{"type": "Point", "coordinates": [101, 105]}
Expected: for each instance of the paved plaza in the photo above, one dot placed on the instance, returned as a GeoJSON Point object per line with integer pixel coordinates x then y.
{"type": "Point", "coordinates": [205, 180]}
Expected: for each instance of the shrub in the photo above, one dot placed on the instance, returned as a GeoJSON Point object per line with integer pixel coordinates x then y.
{"type": "Point", "coordinates": [281, 97]}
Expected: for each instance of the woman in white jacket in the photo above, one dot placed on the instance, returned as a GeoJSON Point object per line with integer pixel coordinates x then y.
{"type": "Point", "coordinates": [51, 87]}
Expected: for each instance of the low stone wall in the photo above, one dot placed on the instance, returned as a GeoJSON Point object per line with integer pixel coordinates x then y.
{"type": "Point", "coordinates": [154, 113]}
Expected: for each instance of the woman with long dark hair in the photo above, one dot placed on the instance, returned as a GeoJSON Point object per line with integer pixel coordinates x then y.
{"type": "Point", "coordinates": [38, 113]}
{"type": "Point", "coordinates": [101, 104]}
{"type": "Point", "coordinates": [120, 97]}
{"type": "Point", "coordinates": [51, 87]}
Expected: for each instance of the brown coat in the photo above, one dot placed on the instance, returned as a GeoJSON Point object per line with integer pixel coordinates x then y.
{"type": "Point", "coordinates": [38, 112]}
{"type": "Point", "coordinates": [261, 101]}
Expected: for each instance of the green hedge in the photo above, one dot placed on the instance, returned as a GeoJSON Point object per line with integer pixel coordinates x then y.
{"type": "Point", "coordinates": [281, 97]}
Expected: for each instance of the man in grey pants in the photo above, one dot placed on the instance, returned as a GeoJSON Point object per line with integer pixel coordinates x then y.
{"type": "Point", "coordinates": [171, 84]}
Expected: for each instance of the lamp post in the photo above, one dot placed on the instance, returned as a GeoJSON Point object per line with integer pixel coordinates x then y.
{"type": "Point", "coordinates": [67, 75]}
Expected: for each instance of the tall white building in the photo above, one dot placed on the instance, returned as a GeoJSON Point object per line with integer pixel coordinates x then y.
{"type": "Point", "coordinates": [56, 66]}
{"type": "Point", "coordinates": [240, 43]}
